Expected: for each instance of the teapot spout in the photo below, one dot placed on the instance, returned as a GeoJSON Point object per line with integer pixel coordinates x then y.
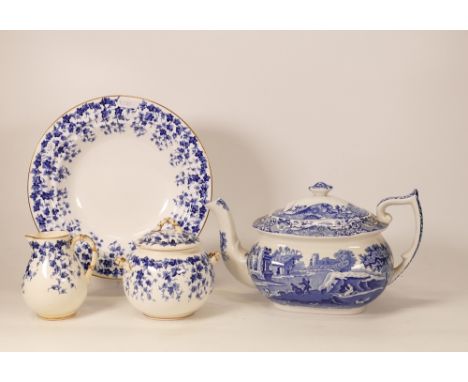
{"type": "Point", "coordinates": [232, 252]}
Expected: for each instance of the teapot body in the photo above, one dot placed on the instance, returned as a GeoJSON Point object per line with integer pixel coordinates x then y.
{"type": "Point", "coordinates": [319, 253]}
{"type": "Point", "coordinates": [55, 284]}
{"type": "Point", "coordinates": [344, 273]}
{"type": "Point", "coordinates": [168, 284]}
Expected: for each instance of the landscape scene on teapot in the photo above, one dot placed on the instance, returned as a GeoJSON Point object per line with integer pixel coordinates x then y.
{"type": "Point", "coordinates": [344, 280]}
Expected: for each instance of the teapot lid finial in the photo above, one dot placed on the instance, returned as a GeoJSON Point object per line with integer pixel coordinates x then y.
{"type": "Point", "coordinates": [320, 189]}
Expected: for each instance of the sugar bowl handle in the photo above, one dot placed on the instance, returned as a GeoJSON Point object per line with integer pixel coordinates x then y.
{"type": "Point", "coordinates": [94, 251]}
{"type": "Point", "coordinates": [411, 199]}
{"type": "Point", "coordinates": [123, 263]}
{"type": "Point", "coordinates": [213, 257]}
{"type": "Point", "coordinates": [171, 222]}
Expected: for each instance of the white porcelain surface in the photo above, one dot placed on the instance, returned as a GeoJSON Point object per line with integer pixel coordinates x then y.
{"type": "Point", "coordinates": [111, 191]}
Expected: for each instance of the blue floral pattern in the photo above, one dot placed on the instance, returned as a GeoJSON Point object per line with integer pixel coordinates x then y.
{"type": "Point", "coordinates": [63, 142]}
{"type": "Point", "coordinates": [168, 238]}
{"type": "Point", "coordinates": [61, 267]}
{"type": "Point", "coordinates": [169, 279]}
{"type": "Point", "coordinates": [223, 245]}
{"type": "Point", "coordinates": [345, 280]}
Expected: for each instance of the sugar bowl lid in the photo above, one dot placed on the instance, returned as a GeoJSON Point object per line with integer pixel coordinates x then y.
{"type": "Point", "coordinates": [166, 239]}
{"type": "Point", "coordinates": [320, 215]}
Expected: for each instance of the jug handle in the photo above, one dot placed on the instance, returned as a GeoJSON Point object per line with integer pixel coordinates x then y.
{"type": "Point", "coordinates": [411, 199]}
{"type": "Point", "coordinates": [94, 251]}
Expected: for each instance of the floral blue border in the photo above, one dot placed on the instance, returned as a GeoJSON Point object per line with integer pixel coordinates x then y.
{"type": "Point", "coordinates": [168, 238]}
{"type": "Point", "coordinates": [63, 267]}
{"type": "Point", "coordinates": [64, 140]}
{"type": "Point", "coordinates": [169, 279]}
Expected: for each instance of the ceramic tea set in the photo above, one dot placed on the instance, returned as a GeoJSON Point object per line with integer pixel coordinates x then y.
{"type": "Point", "coordinates": [120, 187]}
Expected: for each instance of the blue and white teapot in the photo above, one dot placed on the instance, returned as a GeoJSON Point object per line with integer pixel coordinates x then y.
{"type": "Point", "coordinates": [320, 253]}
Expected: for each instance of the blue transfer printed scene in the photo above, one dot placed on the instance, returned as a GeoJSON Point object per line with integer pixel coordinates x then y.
{"type": "Point", "coordinates": [354, 220]}
{"type": "Point", "coordinates": [345, 280]}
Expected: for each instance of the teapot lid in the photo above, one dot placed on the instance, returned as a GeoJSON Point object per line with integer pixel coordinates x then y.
{"type": "Point", "coordinates": [320, 215]}
{"type": "Point", "coordinates": [166, 239]}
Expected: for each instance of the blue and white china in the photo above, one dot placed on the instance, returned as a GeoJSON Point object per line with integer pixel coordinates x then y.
{"type": "Point", "coordinates": [169, 276]}
{"type": "Point", "coordinates": [55, 284]}
{"type": "Point", "coordinates": [110, 167]}
{"type": "Point", "coordinates": [320, 253]}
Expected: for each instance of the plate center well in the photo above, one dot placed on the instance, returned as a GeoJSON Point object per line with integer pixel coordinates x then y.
{"type": "Point", "coordinates": [121, 186]}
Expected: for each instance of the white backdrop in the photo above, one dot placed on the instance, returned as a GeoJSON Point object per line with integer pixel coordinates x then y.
{"type": "Point", "coordinates": [373, 113]}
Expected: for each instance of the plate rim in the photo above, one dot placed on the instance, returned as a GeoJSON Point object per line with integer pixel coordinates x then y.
{"type": "Point", "coordinates": [120, 96]}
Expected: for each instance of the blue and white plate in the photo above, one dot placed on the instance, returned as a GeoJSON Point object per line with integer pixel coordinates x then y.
{"type": "Point", "coordinates": [112, 168]}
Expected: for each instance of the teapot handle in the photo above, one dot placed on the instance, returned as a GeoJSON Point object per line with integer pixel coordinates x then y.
{"type": "Point", "coordinates": [94, 251]}
{"type": "Point", "coordinates": [413, 200]}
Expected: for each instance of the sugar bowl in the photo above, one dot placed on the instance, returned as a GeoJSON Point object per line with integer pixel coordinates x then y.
{"type": "Point", "coordinates": [169, 276]}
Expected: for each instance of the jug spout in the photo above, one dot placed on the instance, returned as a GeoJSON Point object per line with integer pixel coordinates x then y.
{"type": "Point", "coordinates": [232, 252]}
